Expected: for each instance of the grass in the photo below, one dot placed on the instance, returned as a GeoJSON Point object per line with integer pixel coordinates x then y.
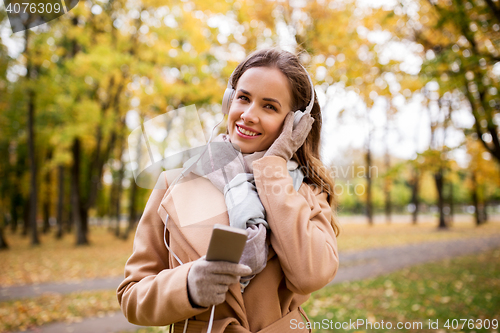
{"type": "Point", "coordinates": [60, 260]}
{"type": "Point", "coordinates": [20, 315]}
{"type": "Point", "coordinates": [461, 288]}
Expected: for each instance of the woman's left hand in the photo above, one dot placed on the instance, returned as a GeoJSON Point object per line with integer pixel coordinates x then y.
{"type": "Point", "coordinates": [256, 250]}
{"type": "Point", "coordinates": [291, 139]}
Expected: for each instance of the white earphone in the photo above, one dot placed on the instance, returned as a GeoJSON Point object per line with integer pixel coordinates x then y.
{"type": "Point", "coordinates": [229, 94]}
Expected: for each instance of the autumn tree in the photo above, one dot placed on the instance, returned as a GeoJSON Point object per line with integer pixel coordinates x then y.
{"type": "Point", "coordinates": [5, 168]}
{"type": "Point", "coordinates": [482, 178]}
{"type": "Point", "coordinates": [462, 50]}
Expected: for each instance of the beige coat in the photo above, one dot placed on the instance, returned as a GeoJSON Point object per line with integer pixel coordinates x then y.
{"type": "Point", "coordinates": [302, 257]}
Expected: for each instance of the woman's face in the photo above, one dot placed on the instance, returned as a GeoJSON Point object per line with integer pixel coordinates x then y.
{"type": "Point", "coordinates": [260, 105]}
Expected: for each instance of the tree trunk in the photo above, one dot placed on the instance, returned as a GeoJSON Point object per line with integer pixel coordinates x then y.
{"type": "Point", "coordinates": [3, 241]}
{"type": "Point", "coordinates": [18, 201]}
{"type": "Point", "coordinates": [132, 216]}
{"type": "Point", "coordinates": [46, 200]}
{"type": "Point", "coordinates": [31, 148]}
{"type": "Point", "coordinates": [475, 199]}
{"type": "Point", "coordinates": [112, 203]}
{"type": "Point", "coordinates": [13, 220]}
{"type": "Point", "coordinates": [369, 204]}
{"type": "Point", "coordinates": [26, 217]}
{"type": "Point", "coordinates": [98, 158]}
{"type": "Point", "coordinates": [117, 206]}
{"type": "Point", "coordinates": [387, 188]}
{"type": "Point", "coordinates": [60, 202]}
{"type": "Point", "coordinates": [438, 177]}
{"type": "Point", "coordinates": [414, 195]}
{"type": "Point", "coordinates": [485, 211]}
{"type": "Point", "coordinates": [33, 187]}
{"type": "Point", "coordinates": [46, 218]}
{"type": "Point", "coordinates": [84, 213]}
{"type": "Point", "coordinates": [121, 175]}
{"type": "Point", "coordinates": [451, 203]}
{"type": "Point", "coordinates": [78, 215]}
{"type": "Point", "coordinates": [15, 201]}
{"type": "Point", "coordinates": [71, 211]}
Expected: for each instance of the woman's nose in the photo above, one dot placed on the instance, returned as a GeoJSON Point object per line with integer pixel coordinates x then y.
{"type": "Point", "coordinates": [250, 115]}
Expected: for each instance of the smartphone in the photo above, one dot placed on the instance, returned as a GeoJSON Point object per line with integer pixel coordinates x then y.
{"type": "Point", "coordinates": [226, 244]}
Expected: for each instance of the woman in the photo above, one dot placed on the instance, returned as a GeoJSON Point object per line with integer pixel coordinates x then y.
{"type": "Point", "coordinates": [295, 229]}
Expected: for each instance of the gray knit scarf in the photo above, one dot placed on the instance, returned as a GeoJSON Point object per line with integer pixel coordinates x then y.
{"type": "Point", "coordinates": [231, 172]}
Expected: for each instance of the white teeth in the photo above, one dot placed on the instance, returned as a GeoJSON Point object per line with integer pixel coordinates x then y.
{"type": "Point", "coordinates": [244, 131]}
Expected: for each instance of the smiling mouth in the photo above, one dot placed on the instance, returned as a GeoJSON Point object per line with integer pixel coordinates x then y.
{"type": "Point", "coordinates": [246, 132]}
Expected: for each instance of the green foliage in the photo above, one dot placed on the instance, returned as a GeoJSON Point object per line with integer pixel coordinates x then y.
{"type": "Point", "coordinates": [450, 289]}
{"type": "Point", "coordinates": [461, 44]}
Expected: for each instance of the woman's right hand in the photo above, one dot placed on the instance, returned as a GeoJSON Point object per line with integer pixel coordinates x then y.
{"type": "Point", "coordinates": [209, 281]}
{"type": "Point", "coordinates": [291, 139]}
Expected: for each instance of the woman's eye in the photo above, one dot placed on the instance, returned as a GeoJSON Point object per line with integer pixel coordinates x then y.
{"type": "Point", "coordinates": [272, 107]}
{"type": "Point", "coordinates": [243, 97]}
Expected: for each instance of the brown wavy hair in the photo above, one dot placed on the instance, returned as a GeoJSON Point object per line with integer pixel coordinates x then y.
{"type": "Point", "coordinates": [307, 155]}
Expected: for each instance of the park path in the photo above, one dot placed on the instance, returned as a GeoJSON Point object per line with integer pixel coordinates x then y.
{"type": "Point", "coordinates": [355, 265]}
{"type": "Point", "coordinates": [34, 290]}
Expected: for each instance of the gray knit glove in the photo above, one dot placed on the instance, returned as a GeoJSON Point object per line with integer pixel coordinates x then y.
{"type": "Point", "coordinates": [256, 250]}
{"type": "Point", "coordinates": [209, 281]}
{"type": "Point", "coordinates": [290, 139]}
